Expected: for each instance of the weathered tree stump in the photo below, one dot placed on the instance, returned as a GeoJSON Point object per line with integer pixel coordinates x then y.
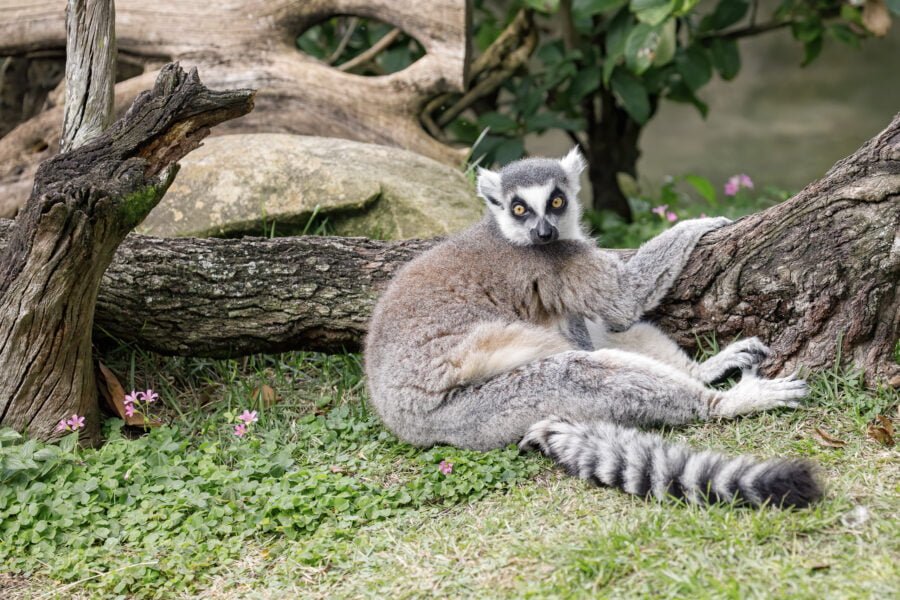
{"type": "Point", "coordinates": [823, 265]}
{"type": "Point", "coordinates": [82, 206]}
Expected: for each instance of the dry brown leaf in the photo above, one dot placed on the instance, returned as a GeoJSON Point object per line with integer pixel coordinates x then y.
{"type": "Point", "coordinates": [881, 429]}
{"type": "Point", "coordinates": [114, 395]}
{"type": "Point", "coordinates": [876, 18]}
{"type": "Point", "coordinates": [264, 396]}
{"type": "Point", "coordinates": [826, 439]}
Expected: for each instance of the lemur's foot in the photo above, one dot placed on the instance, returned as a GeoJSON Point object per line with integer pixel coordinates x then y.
{"type": "Point", "coordinates": [741, 355]}
{"type": "Point", "coordinates": [754, 394]}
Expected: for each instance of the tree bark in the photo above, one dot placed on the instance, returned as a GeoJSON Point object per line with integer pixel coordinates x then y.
{"type": "Point", "coordinates": [251, 44]}
{"type": "Point", "coordinates": [819, 267]}
{"type": "Point", "coordinates": [82, 206]}
{"type": "Point", "coordinates": [90, 71]}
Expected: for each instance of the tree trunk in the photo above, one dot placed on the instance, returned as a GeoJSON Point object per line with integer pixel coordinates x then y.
{"type": "Point", "coordinates": [90, 71]}
{"type": "Point", "coordinates": [823, 265]}
{"type": "Point", "coordinates": [612, 149]}
{"type": "Point", "coordinates": [83, 204]}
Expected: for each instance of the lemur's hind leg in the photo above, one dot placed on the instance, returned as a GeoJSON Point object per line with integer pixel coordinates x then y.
{"type": "Point", "coordinates": [646, 339]}
{"type": "Point", "coordinates": [610, 385]}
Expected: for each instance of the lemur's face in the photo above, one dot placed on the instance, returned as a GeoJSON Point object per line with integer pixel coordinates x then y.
{"type": "Point", "coordinates": [535, 201]}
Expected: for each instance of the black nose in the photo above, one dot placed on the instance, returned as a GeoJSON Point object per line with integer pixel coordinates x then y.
{"type": "Point", "coordinates": [544, 232]}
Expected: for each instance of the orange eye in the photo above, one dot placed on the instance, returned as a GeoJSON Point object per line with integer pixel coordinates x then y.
{"type": "Point", "coordinates": [557, 202]}
{"type": "Point", "coordinates": [518, 210]}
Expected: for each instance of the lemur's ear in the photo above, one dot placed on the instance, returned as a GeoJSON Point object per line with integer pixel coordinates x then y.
{"type": "Point", "coordinates": [489, 186]}
{"type": "Point", "coordinates": [573, 164]}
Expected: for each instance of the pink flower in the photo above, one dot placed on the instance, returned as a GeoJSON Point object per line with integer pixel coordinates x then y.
{"type": "Point", "coordinates": [132, 397]}
{"type": "Point", "coordinates": [240, 429]}
{"type": "Point", "coordinates": [703, 215]}
{"type": "Point", "coordinates": [129, 410]}
{"type": "Point", "coordinates": [248, 417]}
{"type": "Point", "coordinates": [732, 186]}
{"type": "Point", "coordinates": [75, 423]}
{"type": "Point", "coordinates": [660, 210]}
{"type": "Point", "coordinates": [671, 217]}
{"type": "Point", "coordinates": [62, 425]}
{"type": "Point", "coordinates": [736, 182]}
{"type": "Point", "coordinates": [149, 396]}
{"type": "Point", "coordinates": [445, 467]}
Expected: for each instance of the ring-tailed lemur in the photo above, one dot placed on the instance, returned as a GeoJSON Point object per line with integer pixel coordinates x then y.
{"type": "Point", "coordinates": [480, 342]}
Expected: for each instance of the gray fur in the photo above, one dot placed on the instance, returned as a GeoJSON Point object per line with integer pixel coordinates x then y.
{"type": "Point", "coordinates": [647, 465]}
{"type": "Point", "coordinates": [531, 172]}
{"type": "Point", "coordinates": [478, 340]}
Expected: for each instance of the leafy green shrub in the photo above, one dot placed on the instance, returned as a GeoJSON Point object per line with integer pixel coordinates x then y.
{"type": "Point", "coordinates": [163, 512]}
{"type": "Point", "coordinates": [602, 68]}
{"type": "Point", "coordinates": [676, 199]}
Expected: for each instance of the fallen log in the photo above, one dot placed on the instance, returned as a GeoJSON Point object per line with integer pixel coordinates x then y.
{"type": "Point", "coordinates": [819, 268]}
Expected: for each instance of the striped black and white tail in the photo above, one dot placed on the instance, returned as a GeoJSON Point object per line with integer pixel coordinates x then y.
{"type": "Point", "coordinates": [645, 464]}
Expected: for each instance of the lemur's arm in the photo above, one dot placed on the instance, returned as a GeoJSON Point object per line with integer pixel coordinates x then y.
{"type": "Point", "coordinates": [600, 284]}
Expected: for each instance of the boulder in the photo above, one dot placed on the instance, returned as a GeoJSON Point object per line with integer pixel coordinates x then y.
{"type": "Point", "coordinates": [288, 184]}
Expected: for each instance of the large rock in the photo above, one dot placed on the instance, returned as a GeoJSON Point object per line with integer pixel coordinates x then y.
{"type": "Point", "coordinates": [251, 183]}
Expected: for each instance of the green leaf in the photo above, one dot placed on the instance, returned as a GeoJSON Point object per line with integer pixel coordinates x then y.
{"type": "Point", "coordinates": [641, 47]}
{"type": "Point", "coordinates": [589, 8]}
{"type": "Point", "coordinates": [728, 12]}
{"type": "Point", "coordinates": [498, 122]}
{"type": "Point", "coordinates": [551, 53]}
{"type": "Point", "coordinates": [652, 12]}
{"type": "Point", "coordinates": [18, 463]}
{"type": "Point", "coordinates": [807, 31]}
{"type": "Point", "coordinates": [694, 66]}
{"type": "Point", "coordinates": [844, 34]}
{"type": "Point", "coordinates": [665, 51]}
{"type": "Point", "coordinates": [631, 94]}
{"type": "Point", "coordinates": [486, 33]}
{"type": "Point", "coordinates": [509, 151]}
{"type": "Point", "coordinates": [47, 453]}
{"type": "Point", "coordinates": [544, 121]}
{"type": "Point", "coordinates": [585, 82]}
{"type": "Point", "coordinates": [682, 7]}
{"type": "Point", "coordinates": [617, 34]}
{"type": "Point", "coordinates": [811, 50]}
{"type": "Point", "coordinates": [725, 57]}
{"type": "Point", "coordinates": [9, 435]}
{"type": "Point", "coordinates": [680, 92]}
{"type": "Point", "coordinates": [852, 14]}
{"type": "Point", "coordinates": [703, 186]}
{"type": "Point", "coordinates": [609, 65]}
{"type": "Point", "coordinates": [544, 6]}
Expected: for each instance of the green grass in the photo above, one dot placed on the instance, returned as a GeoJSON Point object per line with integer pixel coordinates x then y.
{"type": "Point", "coordinates": [321, 502]}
